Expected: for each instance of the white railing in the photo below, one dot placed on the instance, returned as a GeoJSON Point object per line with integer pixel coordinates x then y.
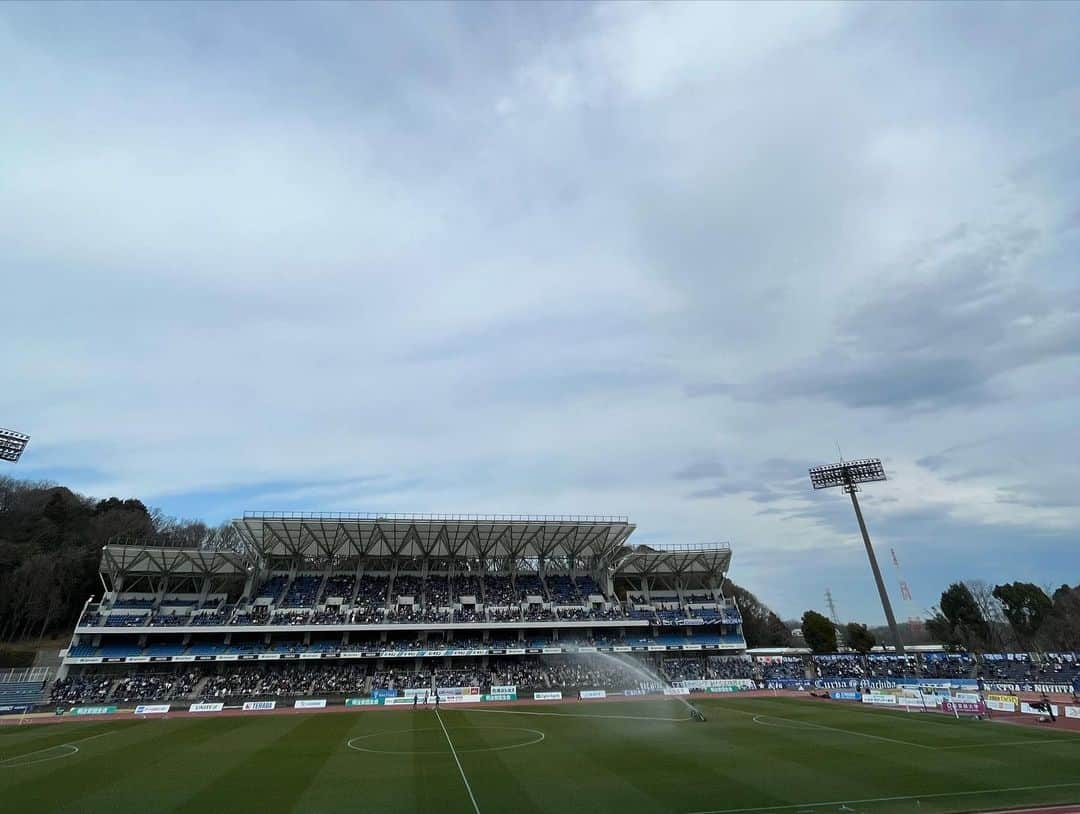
{"type": "Point", "coordinates": [15, 676]}
{"type": "Point", "coordinates": [690, 547]}
{"type": "Point", "coordinates": [409, 516]}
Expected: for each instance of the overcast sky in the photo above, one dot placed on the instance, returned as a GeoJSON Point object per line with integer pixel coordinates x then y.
{"type": "Point", "coordinates": [560, 258]}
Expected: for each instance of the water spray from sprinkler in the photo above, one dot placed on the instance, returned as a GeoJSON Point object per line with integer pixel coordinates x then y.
{"type": "Point", "coordinates": [652, 678]}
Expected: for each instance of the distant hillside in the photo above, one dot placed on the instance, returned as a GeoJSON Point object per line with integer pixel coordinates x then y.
{"type": "Point", "coordinates": [761, 627]}
{"type": "Point", "coordinates": [50, 545]}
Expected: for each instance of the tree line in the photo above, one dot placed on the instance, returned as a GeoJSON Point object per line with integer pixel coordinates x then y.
{"type": "Point", "coordinates": [977, 617]}
{"type": "Point", "coordinates": [1013, 616]}
{"type": "Point", "coordinates": [50, 548]}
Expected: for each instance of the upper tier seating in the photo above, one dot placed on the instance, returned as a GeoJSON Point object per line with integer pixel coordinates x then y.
{"type": "Point", "coordinates": [339, 586]}
{"type": "Point", "coordinates": [273, 587]}
{"type": "Point", "coordinates": [587, 586]}
{"type": "Point", "coordinates": [407, 585]}
{"type": "Point", "coordinates": [127, 619]}
{"type": "Point", "coordinates": [467, 585]}
{"type": "Point", "coordinates": [303, 592]}
{"type": "Point", "coordinates": [498, 591]}
{"type": "Point", "coordinates": [528, 585]}
{"type": "Point", "coordinates": [563, 590]}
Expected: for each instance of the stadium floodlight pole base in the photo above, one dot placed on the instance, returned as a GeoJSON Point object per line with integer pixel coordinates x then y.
{"type": "Point", "coordinates": [885, 603]}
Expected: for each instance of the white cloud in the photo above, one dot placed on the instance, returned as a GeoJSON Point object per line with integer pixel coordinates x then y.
{"type": "Point", "coordinates": [487, 263]}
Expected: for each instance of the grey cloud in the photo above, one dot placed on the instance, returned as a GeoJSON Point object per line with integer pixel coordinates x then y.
{"type": "Point", "coordinates": [704, 468]}
{"type": "Point", "coordinates": [482, 250]}
{"type": "Point", "coordinates": [883, 381]}
{"type": "Point", "coordinates": [932, 462]}
{"type": "Point", "coordinates": [770, 481]}
{"type": "Point", "coordinates": [938, 340]}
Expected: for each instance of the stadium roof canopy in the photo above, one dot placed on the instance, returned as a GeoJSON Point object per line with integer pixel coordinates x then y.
{"type": "Point", "coordinates": [322, 535]}
{"type": "Point", "coordinates": [502, 540]}
{"type": "Point", "coordinates": [122, 560]}
{"type": "Point", "coordinates": [678, 560]}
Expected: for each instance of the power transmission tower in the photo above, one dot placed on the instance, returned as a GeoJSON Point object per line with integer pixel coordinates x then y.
{"type": "Point", "coordinates": [832, 607]}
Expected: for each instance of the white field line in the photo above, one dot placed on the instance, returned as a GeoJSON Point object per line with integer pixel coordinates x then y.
{"type": "Point", "coordinates": [812, 725]}
{"type": "Point", "coordinates": [575, 715]}
{"type": "Point", "coordinates": [69, 744]}
{"type": "Point", "coordinates": [889, 799]}
{"type": "Point", "coordinates": [757, 715]}
{"type": "Point", "coordinates": [7, 762]}
{"type": "Point", "coordinates": [453, 751]}
{"type": "Point", "coordinates": [351, 745]}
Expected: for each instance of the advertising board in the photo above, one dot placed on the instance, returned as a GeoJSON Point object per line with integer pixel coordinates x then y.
{"type": "Point", "coordinates": [151, 709]}
{"type": "Point", "coordinates": [1002, 702]}
{"type": "Point", "coordinates": [109, 710]}
{"type": "Point", "coordinates": [845, 695]}
{"type": "Point", "coordinates": [878, 698]}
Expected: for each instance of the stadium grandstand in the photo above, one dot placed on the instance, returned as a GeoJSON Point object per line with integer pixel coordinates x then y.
{"type": "Point", "coordinates": [324, 603]}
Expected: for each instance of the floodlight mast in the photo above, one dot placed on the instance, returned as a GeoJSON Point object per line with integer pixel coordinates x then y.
{"type": "Point", "coordinates": [848, 475]}
{"type": "Point", "coordinates": [12, 445]}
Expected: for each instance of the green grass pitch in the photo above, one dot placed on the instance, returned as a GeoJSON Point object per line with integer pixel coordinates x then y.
{"type": "Point", "coordinates": [753, 755]}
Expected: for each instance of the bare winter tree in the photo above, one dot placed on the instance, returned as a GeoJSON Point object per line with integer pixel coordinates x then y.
{"type": "Point", "coordinates": [224, 538]}
{"type": "Point", "coordinates": [991, 610]}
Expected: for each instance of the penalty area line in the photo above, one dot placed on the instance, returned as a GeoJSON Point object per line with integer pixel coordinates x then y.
{"type": "Point", "coordinates": [453, 751]}
{"type": "Point", "coordinates": [889, 799]}
{"type": "Point", "coordinates": [68, 744]}
{"type": "Point", "coordinates": [812, 725]}
{"type": "Point", "coordinates": [805, 725]}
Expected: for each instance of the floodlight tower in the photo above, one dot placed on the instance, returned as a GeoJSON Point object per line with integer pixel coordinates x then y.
{"type": "Point", "coordinates": [12, 445]}
{"type": "Point", "coordinates": [848, 475]}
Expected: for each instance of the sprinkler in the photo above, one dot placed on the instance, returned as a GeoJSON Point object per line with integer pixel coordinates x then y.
{"type": "Point", "coordinates": [696, 714]}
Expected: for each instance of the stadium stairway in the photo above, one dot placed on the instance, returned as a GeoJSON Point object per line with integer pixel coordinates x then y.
{"type": "Point", "coordinates": [49, 658]}
{"type": "Point", "coordinates": [322, 588]}
{"type": "Point", "coordinates": [113, 687]}
{"type": "Point", "coordinates": [198, 691]}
